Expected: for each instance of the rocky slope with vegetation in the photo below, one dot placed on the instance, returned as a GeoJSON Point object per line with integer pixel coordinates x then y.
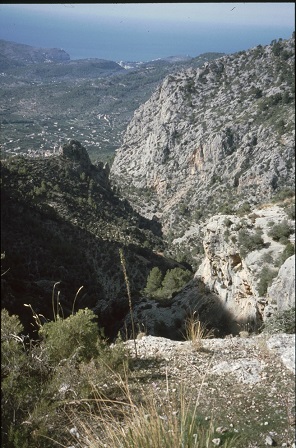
{"type": "Point", "coordinates": [219, 139]}
{"type": "Point", "coordinates": [63, 223]}
{"type": "Point", "coordinates": [212, 138]}
{"type": "Point", "coordinates": [71, 388]}
{"type": "Point", "coordinates": [186, 250]}
{"type": "Point", "coordinates": [177, 172]}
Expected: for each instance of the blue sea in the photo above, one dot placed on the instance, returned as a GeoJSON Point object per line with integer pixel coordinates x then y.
{"type": "Point", "coordinates": [133, 40]}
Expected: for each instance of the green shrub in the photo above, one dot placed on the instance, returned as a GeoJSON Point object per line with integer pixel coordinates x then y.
{"type": "Point", "coordinates": [163, 288]}
{"type": "Point", "coordinates": [74, 337]}
{"type": "Point", "coordinates": [290, 210]}
{"type": "Point", "coordinates": [154, 281]}
{"type": "Point", "coordinates": [287, 253]}
{"type": "Point", "coordinates": [281, 232]}
{"type": "Point", "coordinates": [280, 322]}
{"type": "Point", "coordinates": [21, 382]}
{"type": "Point", "coordinates": [226, 209]}
{"type": "Point", "coordinates": [283, 194]}
{"type": "Point", "coordinates": [244, 209]}
{"type": "Point", "coordinates": [227, 222]}
{"type": "Point", "coordinates": [267, 258]}
{"type": "Point", "coordinates": [249, 241]}
{"type": "Point", "coordinates": [41, 379]}
{"type": "Point", "coordinates": [12, 348]}
{"type": "Point", "coordinates": [174, 280]}
{"type": "Point", "coordinates": [226, 235]}
{"type": "Point", "coordinates": [265, 279]}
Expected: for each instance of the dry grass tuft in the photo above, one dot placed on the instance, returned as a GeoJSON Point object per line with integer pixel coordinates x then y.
{"type": "Point", "coordinates": [196, 331]}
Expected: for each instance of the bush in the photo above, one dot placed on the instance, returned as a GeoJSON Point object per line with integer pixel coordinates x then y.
{"type": "Point", "coordinates": [280, 322]}
{"type": "Point", "coordinates": [281, 232]}
{"type": "Point", "coordinates": [290, 210]}
{"type": "Point", "coordinates": [173, 281]}
{"type": "Point", "coordinates": [154, 281]}
{"type": "Point", "coordinates": [266, 277]}
{"type": "Point", "coordinates": [74, 337]}
{"type": "Point", "coordinates": [21, 383]}
{"type": "Point", "coordinates": [283, 194]}
{"type": "Point", "coordinates": [244, 209]}
{"type": "Point", "coordinates": [287, 253]}
{"type": "Point", "coordinates": [249, 241]}
{"type": "Point", "coordinates": [40, 379]}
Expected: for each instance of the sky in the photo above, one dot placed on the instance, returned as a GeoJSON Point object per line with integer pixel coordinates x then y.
{"type": "Point", "coordinates": [146, 31]}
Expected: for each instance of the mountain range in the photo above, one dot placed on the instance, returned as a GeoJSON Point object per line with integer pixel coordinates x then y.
{"type": "Point", "coordinates": [202, 184]}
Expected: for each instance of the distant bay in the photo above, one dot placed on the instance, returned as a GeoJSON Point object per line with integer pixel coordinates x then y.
{"type": "Point", "coordinates": [118, 40]}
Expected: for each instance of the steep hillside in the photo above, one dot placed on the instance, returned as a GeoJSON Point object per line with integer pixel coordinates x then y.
{"type": "Point", "coordinates": [207, 163]}
{"type": "Point", "coordinates": [61, 222]}
{"type": "Point", "coordinates": [205, 154]}
{"type": "Point", "coordinates": [91, 100]}
{"type": "Point", "coordinates": [213, 138]}
{"type": "Point", "coordinates": [25, 54]}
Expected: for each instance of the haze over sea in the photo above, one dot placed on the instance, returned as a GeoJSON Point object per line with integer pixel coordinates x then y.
{"type": "Point", "coordinates": [132, 39]}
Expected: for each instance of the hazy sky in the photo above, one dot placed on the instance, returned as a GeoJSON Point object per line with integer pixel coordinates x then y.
{"type": "Point", "coordinates": [275, 14]}
{"type": "Point", "coordinates": [110, 30]}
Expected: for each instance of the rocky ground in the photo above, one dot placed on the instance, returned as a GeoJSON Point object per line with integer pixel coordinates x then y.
{"type": "Point", "coordinates": [244, 384]}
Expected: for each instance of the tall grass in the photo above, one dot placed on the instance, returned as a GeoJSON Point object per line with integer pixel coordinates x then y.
{"type": "Point", "coordinates": [196, 331]}
{"type": "Point", "coordinates": [122, 261]}
{"type": "Point", "coordinates": [168, 421]}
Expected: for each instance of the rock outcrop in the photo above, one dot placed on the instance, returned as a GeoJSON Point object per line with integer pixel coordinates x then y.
{"type": "Point", "coordinates": [210, 137]}
{"type": "Point", "coordinates": [77, 153]}
{"type": "Point", "coordinates": [282, 291]}
{"type": "Point", "coordinates": [76, 157]}
{"type": "Point", "coordinates": [202, 155]}
{"type": "Point", "coordinates": [228, 292]}
{"type": "Point", "coordinates": [240, 260]}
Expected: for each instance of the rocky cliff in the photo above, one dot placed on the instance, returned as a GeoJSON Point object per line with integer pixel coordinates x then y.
{"type": "Point", "coordinates": [242, 256]}
{"type": "Point", "coordinates": [204, 156]}
{"type": "Point", "coordinates": [230, 290]}
{"type": "Point", "coordinates": [212, 137]}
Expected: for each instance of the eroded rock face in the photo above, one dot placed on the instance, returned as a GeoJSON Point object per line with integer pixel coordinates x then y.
{"type": "Point", "coordinates": [205, 137]}
{"type": "Point", "coordinates": [207, 140]}
{"type": "Point", "coordinates": [227, 290]}
{"type": "Point", "coordinates": [238, 252]}
{"type": "Point", "coordinates": [225, 272]}
{"type": "Point", "coordinates": [282, 290]}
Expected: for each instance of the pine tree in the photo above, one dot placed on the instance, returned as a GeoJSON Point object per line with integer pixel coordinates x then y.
{"type": "Point", "coordinates": [153, 281]}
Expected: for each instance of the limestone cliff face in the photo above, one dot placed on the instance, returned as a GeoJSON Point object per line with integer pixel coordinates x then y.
{"type": "Point", "coordinates": [240, 260]}
{"type": "Point", "coordinates": [229, 289]}
{"type": "Point", "coordinates": [282, 291]}
{"type": "Point", "coordinates": [225, 272]}
{"type": "Point", "coordinates": [212, 139]}
{"type": "Point", "coordinates": [219, 134]}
